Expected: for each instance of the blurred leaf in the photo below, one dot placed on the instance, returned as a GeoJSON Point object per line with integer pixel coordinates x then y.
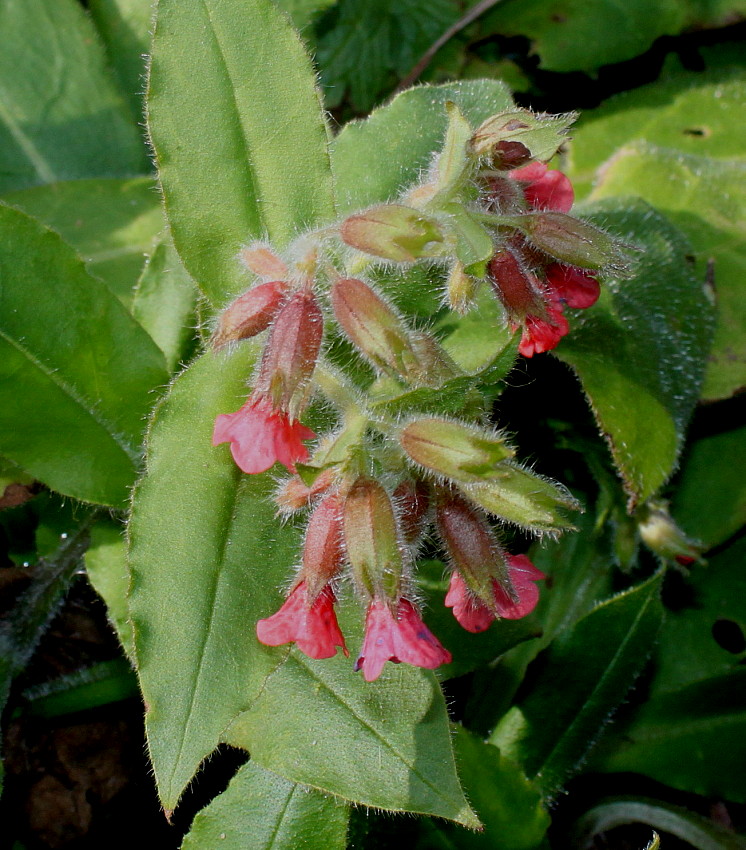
{"type": "Point", "coordinates": [165, 303]}
{"type": "Point", "coordinates": [110, 223]}
{"type": "Point", "coordinates": [710, 499]}
{"type": "Point", "coordinates": [365, 46]}
{"type": "Point", "coordinates": [574, 35]}
{"type": "Point", "coordinates": [78, 371]}
{"type": "Point", "coordinates": [692, 738]}
{"type": "Point", "coordinates": [124, 26]}
{"type": "Point", "coordinates": [586, 674]}
{"type": "Point", "coordinates": [509, 806]}
{"type": "Point", "coordinates": [375, 159]}
{"type": "Point", "coordinates": [61, 117]}
{"type": "Point", "coordinates": [204, 541]}
{"type": "Point", "coordinates": [702, 114]}
{"type": "Point", "coordinates": [265, 812]}
{"type": "Point", "coordinates": [240, 156]}
{"type": "Point", "coordinates": [640, 352]}
{"type": "Point", "coordinates": [707, 200]}
{"type": "Point", "coordinates": [706, 635]}
{"type": "Point", "coordinates": [302, 12]}
{"type": "Point", "coordinates": [106, 566]}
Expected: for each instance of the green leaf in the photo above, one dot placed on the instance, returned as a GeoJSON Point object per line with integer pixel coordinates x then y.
{"type": "Point", "coordinates": [509, 806]}
{"type": "Point", "coordinates": [375, 159]}
{"type": "Point", "coordinates": [701, 114]}
{"type": "Point", "coordinates": [710, 500]}
{"type": "Point", "coordinates": [240, 155]}
{"type": "Point", "coordinates": [706, 199]}
{"type": "Point", "coordinates": [640, 352]}
{"type": "Point", "coordinates": [302, 12]}
{"type": "Point", "coordinates": [61, 117]}
{"type": "Point", "coordinates": [587, 673]}
{"type": "Point", "coordinates": [165, 303]}
{"type": "Point", "coordinates": [573, 35]}
{"type": "Point", "coordinates": [77, 370]}
{"type": "Point", "coordinates": [692, 738]}
{"type": "Point", "coordinates": [111, 223]}
{"type": "Point", "coordinates": [366, 45]}
{"type": "Point", "coordinates": [106, 566]}
{"type": "Point", "coordinates": [265, 812]}
{"type": "Point", "coordinates": [124, 26]}
{"type": "Point", "coordinates": [384, 744]}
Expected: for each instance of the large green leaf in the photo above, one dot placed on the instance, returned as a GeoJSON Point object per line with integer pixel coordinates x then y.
{"type": "Point", "coordinates": [702, 114]}
{"type": "Point", "coordinates": [61, 117]}
{"type": "Point", "coordinates": [574, 35]}
{"type": "Point", "coordinates": [111, 223]}
{"type": "Point", "coordinates": [239, 136]}
{"type": "Point", "coordinates": [77, 370]}
{"type": "Point", "coordinates": [586, 675]}
{"type": "Point", "coordinates": [710, 499]}
{"type": "Point", "coordinates": [640, 352]}
{"type": "Point", "coordinates": [707, 200]}
{"type": "Point", "coordinates": [205, 543]}
{"type": "Point", "coordinates": [262, 811]}
{"type": "Point", "coordinates": [375, 159]}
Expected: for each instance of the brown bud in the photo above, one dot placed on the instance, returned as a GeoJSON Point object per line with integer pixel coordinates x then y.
{"type": "Point", "coordinates": [517, 287]}
{"type": "Point", "coordinates": [412, 498]}
{"type": "Point", "coordinates": [263, 262]}
{"type": "Point", "coordinates": [250, 313]}
{"type": "Point", "coordinates": [295, 494]}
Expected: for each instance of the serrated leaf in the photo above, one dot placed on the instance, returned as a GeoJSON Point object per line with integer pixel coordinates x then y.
{"type": "Point", "coordinates": [165, 303]}
{"type": "Point", "coordinates": [587, 673]}
{"type": "Point", "coordinates": [706, 199]}
{"type": "Point", "coordinates": [265, 812]}
{"type": "Point", "coordinates": [385, 745]}
{"type": "Point", "coordinates": [111, 223]}
{"type": "Point", "coordinates": [640, 352]}
{"type": "Point", "coordinates": [375, 159]}
{"type": "Point", "coordinates": [240, 155]}
{"type": "Point", "coordinates": [78, 371]}
{"type": "Point", "coordinates": [106, 567]}
{"type": "Point", "coordinates": [61, 117]}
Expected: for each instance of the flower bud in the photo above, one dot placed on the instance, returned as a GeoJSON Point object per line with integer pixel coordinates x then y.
{"type": "Point", "coordinates": [412, 499]}
{"type": "Point", "coordinates": [461, 288]}
{"type": "Point", "coordinates": [458, 451]}
{"type": "Point", "coordinates": [516, 286]}
{"type": "Point", "coordinates": [472, 547]}
{"type": "Point", "coordinates": [295, 494]}
{"type": "Point", "coordinates": [372, 539]}
{"type": "Point", "coordinates": [323, 547]}
{"type": "Point", "coordinates": [250, 313]}
{"type": "Point", "coordinates": [291, 352]}
{"type": "Point", "coordinates": [661, 534]}
{"type": "Point", "coordinates": [374, 328]}
{"type": "Point", "coordinates": [263, 262]}
{"type": "Point", "coordinates": [572, 240]}
{"type": "Point", "coordinates": [393, 232]}
{"type": "Point", "coordinates": [542, 135]}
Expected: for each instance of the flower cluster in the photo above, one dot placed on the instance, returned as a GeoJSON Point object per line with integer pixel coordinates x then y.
{"type": "Point", "coordinates": [490, 213]}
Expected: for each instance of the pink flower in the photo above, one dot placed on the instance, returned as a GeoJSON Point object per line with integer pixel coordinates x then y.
{"type": "Point", "coordinates": [544, 189]}
{"type": "Point", "coordinates": [398, 637]}
{"type": "Point", "coordinates": [577, 288]}
{"type": "Point", "coordinates": [475, 616]}
{"type": "Point", "coordinates": [313, 628]}
{"type": "Point", "coordinates": [543, 334]}
{"type": "Point", "coordinates": [260, 435]}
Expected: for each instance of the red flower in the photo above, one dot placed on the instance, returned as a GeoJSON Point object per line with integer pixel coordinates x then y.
{"type": "Point", "coordinates": [475, 616]}
{"type": "Point", "coordinates": [577, 288]}
{"type": "Point", "coordinates": [260, 435]}
{"type": "Point", "coordinates": [401, 637]}
{"type": "Point", "coordinates": [313, 628]}
{"type": "Point", "coordinates": [544, 189]}
{"type": "Point", "coordinates": [543, 334]}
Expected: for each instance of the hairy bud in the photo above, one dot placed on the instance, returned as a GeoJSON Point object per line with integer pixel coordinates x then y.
{"type": "Point", "coordinates": [251, 313]}
{"type": "Point", "coordinates": [323, 547]}
{"type": "Point", "coordinates": [263, 262]}
{"type": "Point", "coordinates": [394, 232]}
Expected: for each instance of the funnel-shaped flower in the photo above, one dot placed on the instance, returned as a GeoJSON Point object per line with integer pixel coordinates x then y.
{"type": "Point", "coordinates": [396, 633]}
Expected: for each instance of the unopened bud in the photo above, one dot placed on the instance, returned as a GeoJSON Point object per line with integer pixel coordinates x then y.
{"type": "Point", "coordinates": [263, 262]}
{"type": "Point", "coordinates": [251, 313]}
{"type": "Point", "coordinates": [517, 287]}
{"type": "Point", "coordinates": [458, 451]}
{"type": "Point", "coordinates": [372, 539]}
{"type": "Point", "coordinates": [323, 547]}
{"type": "Point", "coordinates": [291, 352]}
{"type": "Point", "coordinates": [412, 498]}
{"type": "Point", "coordinates": [525, 499]}
{"type": "Point", "coordinates": [541, 135]}
{"type": "Point", "coordinates": [373, 326]}
{"type": "Point", "coordinates": [572, 240]}
{"type": "Point", "coordinates": [461, 288]}
{"type": "Point", "coordinates": [393, 232]}
{"type": "Point", "coordinates": [295, 494]}
{"type": "Point", "coordinates": [473, 548]}
{"type": "Point", "coordinates": [661, 534]}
